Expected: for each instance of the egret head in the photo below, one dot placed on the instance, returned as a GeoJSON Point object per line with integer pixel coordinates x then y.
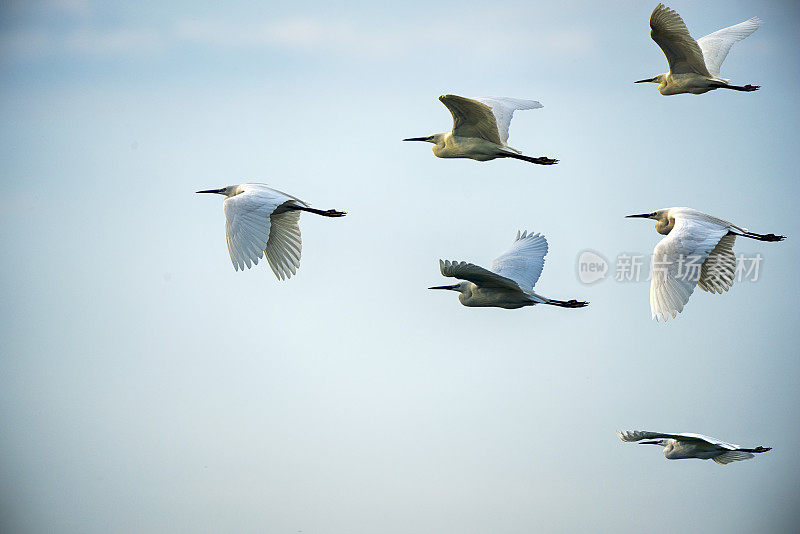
{"type": "Point", "coordinates": [227, 191]}
{"type": "Point", "coordinates": [660, 442]}
{"type": "Point", "coordinates": [655, 79]}
{"type": "Point", "coordinates": [460, 287]}
{"type": "Point", "coordinates": [427, 138]}
{"type": "Point", "coordinates": [652, 215]}
{"type": "Point", "coordinates": [664, 223]}
{"type": "Point", "coordinates": [436, 139]}
{"type": "Point", "coordinates": [668, 444]}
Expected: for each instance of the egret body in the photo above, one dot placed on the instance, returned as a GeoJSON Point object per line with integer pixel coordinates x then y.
{"type": "Point", "coordinates": [509, 284]}
{"type": "Point", "coordinates": [480, 129]}
{"type": "Point", "coordinates": [681, 446]}
{"type": "Point", "coordinates": [694, 65]}
{"type": "Point", "coordinates": [260, 220]}
{"type": "Point", "coordinates": [698, 251]}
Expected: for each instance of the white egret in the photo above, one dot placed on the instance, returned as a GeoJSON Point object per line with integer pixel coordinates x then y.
{"type": "Point", "coordinates": [681, 446]}
{"type": "Point", "coordinates": [510, 282]}
{"type": "Point", "coordinates": [480, 129]}
{"type": "Point", "coordinates": [694, 65]}
{"type": "Point", "coordinates": [260, 220]}
{"type": "Point", "coordinates": [698, 251]}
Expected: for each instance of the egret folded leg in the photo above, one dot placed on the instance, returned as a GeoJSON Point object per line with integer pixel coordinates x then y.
{"type": "Point", "coordinates": [325, 213]}
{"type": "Point", "coordinates": [567, 303]}
{"type": "Point", "coordinates": [763, 237]}
{"type": "Point", "coordinates": [539, 161]}
{"type": "Point", "coordinates": [757, 449]}
{"type": "Point", "coordinates": [747, 88]}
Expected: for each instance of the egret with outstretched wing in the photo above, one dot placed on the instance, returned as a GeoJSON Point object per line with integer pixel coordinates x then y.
{"type": "Point", "coordinates": [681, 446]}
{"type": "Point", "coordinates": [260, 220]}
{"type": "Point", "coordinates": [480, 129]}
{"type": "Point", "coordinates": [694, 65]}
{"type": "Point", "coordinates": [509, 284]}
{"type": "Point", "coordinates": [698, 251]}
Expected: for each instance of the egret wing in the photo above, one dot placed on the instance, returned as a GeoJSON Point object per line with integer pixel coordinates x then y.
{"type": "Point", "coordinates": [472, 118]}
{"type": "Point", "coordinates": [284, 245]}
{"type": "Point", "coordinates": [719, 269]}
{"type": "Point", "coordinates": [670, 33]}
{"type": "Point", "coordinates": [715, 46]}
{"type": "Point", "coordinates": [503, 109]}
{"type": "Point", "coordinates": [524, 261]}
{"type": "Point", "coordinates": [638, 435]}
{"type": "Point", "coordinates": [247, 226]}
{"type": "Point", "coordinates": [477, 275]}
{"type": "Point", "coordinates": [732, 456]}
{"type": "Point", "coordinates": [677, 263]}
{"type": "Point", "coordinates": [266, 192]}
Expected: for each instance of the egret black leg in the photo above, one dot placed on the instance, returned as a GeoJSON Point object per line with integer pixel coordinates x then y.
{"type": "Point", "coordinates": [324, 213]}
{"type": "Point", "coordinates": [747, 88]}
{"type": "Point", "coordinates": [757, 449]}
{"type": "Point", "coordinates": [763, 237]}
{"type": "Point", "coordinates": [567, 303]}
{"type": "Point", "coordinates": [539, 161]}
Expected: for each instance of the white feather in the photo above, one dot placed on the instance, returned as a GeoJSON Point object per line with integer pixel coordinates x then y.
{"type": "Point", "coordinates": [524, 261]}
{"type": "Point", "coordinates": [259, 221]}
{"type": "Point", "coordinates": [715, 46]}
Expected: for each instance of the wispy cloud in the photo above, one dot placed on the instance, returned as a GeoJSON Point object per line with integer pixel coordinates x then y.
{"type": "Point", "coordinates": [75, 7]}
{"type": "Point", "coordinates": [32, 44]}
{"type": "Point", "coordinates": [125, 41]}
{"type": "Point", "coordinates": [478, 34]}
{"type": "Point", "coordinates": [482, 35]}
{"type": "Point", "coordinates": [25, 44]}
{"type": "Point", "coordinates": [293, 33]}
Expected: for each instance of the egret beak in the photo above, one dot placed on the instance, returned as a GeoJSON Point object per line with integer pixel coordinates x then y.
{"type": "Point", "coordinates": [640, 216]}
{"type": "Point", "coordinates": [649, 443]}
{"type": "Point", "coordinates": [647, 80]}
{"type": "Point", "coordinates": [217, 191]}
{"type": "Point", "coordinates": [453, 287]}
{"type": "Point", "coordinates": [418, 138]}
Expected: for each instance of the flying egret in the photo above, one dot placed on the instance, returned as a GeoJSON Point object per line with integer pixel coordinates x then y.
{"type": "Point", "coordinates": [698, 251]}
{"type": "Point", "coordinates": [260, 220]}
{"type": "Point", "coordinates": [480, 129]}
{"type": "Point", "coordinates": [694, 65]}
{"type": "Point", "coordinates": [510, 282]}
{"type": "Point", "coordinates": [680, 446]}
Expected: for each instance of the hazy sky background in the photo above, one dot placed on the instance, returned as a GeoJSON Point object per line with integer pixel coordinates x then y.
{"type": "Point", "coordinates": [145, 386]}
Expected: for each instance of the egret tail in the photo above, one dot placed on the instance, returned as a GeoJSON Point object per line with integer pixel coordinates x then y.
{"type": "Point", "coordinates": [324, 213]}
{"type": "Point", "coordinates": [539, 161]}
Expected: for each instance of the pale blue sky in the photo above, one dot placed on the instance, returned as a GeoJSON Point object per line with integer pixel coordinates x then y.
{"type": "Point", "coordinates": [147, 387]}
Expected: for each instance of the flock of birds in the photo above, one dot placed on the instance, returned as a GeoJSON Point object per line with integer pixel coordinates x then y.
{"type": "Point", "coordinates": [262, 221]}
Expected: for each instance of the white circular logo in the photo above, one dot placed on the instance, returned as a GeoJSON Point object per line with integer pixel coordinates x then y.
{"type": "Point", "coordinates": [592, 267]}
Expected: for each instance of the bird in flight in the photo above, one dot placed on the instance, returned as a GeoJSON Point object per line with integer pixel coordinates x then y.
{"type": "Point", "coordinates": [698, 251]}
{"type": "Point", "coordinates": [694, 65]}
{"type": "Point", "coordinates": [480, 129]}
{"type": "Point", "coordinates": [681, 446]}
{"type": "Point", "coordinates": [509, 284]}
{"type": "Point", "coordinates": [262, 221]}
